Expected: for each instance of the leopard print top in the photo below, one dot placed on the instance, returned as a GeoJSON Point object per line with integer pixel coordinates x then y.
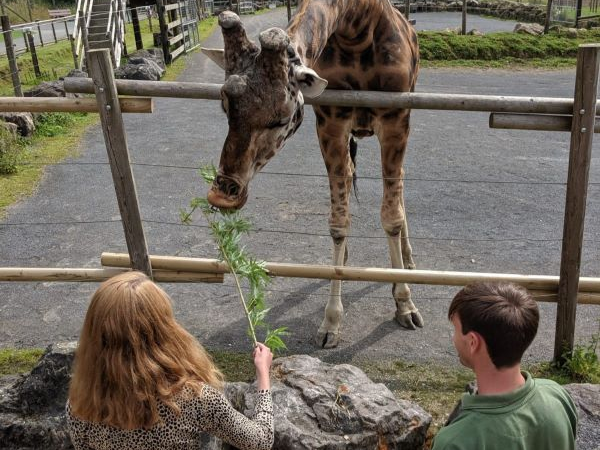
{"type": "Point", "coordinates": [209, 412]}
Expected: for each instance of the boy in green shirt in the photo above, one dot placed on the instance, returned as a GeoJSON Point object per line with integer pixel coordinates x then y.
{"type": "Point", "coordinates": [493, 326]}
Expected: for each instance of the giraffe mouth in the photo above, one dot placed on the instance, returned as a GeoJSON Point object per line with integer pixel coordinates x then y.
{"type": "Point", "coordinates": [227, 193]}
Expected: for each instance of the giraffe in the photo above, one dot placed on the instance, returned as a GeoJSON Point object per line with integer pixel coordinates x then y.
{"type": "Point", "coordinates": [343, 44]}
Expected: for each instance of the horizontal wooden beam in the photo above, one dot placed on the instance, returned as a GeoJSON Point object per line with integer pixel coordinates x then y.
{"type": "Point", "coordinates": [173, 24]}
{"type": "Point", "coordinates": [175, 39]}
{"type": "Point", "coordinates": [534, 282]}
{"type": "Point", "coordinates": [90, 275]}
{"type": "Point", "coordinates": [175, 53]}
{"type": "Point", "coordinates": [172, 6]}
{"type": "Point", "coordinates": [413, 100]}
{"type": "Point", "coordinates": [62, 104]}
{"type": "Point", "coordinates": [539, 122]}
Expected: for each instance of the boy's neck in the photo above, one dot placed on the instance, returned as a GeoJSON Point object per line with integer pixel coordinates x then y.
{"type": "Point", "coordinates": [493, 381]}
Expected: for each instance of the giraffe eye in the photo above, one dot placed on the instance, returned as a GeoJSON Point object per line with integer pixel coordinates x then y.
{"type": "Point", "coordinates": [278, 123]}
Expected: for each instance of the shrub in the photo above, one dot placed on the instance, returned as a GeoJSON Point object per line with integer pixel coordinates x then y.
{"type": "Point", "coordinates": [10, 149]}
{"type": "Point", "coordinates": [53, 124]}
{"type": "Point", "coordinates": [582, 363]}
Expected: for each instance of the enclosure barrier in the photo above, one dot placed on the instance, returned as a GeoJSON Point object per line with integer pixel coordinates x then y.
{"type": "Point", "coordinates": [543, 287]}
{"type": "Point", "coordinates": [92, 275]}
{"type": "Point", "coordinates": [580, 112]}
{"type": "Point", "coordinates": [62, 104]}
{"type": "Point", "coordinates": [508, 112]}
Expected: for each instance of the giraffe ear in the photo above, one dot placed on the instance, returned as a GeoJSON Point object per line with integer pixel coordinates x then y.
{"type": "Point", "coordinates": [311, 84]}
{"type": "Point", "coordinates": [216, 54]}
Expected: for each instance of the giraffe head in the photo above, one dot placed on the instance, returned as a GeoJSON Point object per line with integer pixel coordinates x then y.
{"type": "Point", "coordinates": [263, 97]}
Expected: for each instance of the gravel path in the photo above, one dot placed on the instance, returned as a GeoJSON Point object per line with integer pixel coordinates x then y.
{"type": "Point", "coordinates": [474, 201]}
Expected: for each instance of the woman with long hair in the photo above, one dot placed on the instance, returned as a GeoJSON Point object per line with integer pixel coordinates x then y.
{"type": "Point", "coordinates": [141, 381]}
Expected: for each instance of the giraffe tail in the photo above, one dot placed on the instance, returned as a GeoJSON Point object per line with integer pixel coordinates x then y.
{"type": "Point", "coordinates": [353, 149]}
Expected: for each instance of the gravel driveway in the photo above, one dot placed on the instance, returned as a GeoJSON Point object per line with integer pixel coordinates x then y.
{"type": "Point", "coordinates": [477, 200]}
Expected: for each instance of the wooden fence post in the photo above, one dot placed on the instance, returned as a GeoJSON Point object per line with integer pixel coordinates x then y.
{"type": "Point", "coordinates": [100, 68]}
{"type": "Point", "coordinates": [464, 17]}
{"type": "Point", "coordinates": [10, 54]}
{"type": "Point", "coordinates": [582, 131]}
{"type": "Point", "coordinates": [407, 9]}
{"type": "Point", "coordinates": [164, 35]}
{"type": "Point", "coordinates": [34, 59]}
{"type": "Point", "coordinates": [548, 15]}
{"type": "Point", "coordinates": [84, 35]}
{"type": "Point", "coordinates": [54, 32]}
{"type": "Point", "coordinates": [40, 32]}
{"type": "Point", "coordinates": [74, 51]}
{"type": "Point", "coordinates": [289, 9]}
{"type": "Point", "coordinates": [135, 20]}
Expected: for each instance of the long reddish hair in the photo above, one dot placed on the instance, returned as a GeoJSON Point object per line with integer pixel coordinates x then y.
{"type": "Point", "coordinates": [132, 353]}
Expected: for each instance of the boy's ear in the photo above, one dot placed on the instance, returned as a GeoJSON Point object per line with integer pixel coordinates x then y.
{"type": "Point", "coordinates": [475, 341]}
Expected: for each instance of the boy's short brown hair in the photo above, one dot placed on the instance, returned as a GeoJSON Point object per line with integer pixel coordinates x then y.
{"type": "Point", "coordinates": [504, 314]}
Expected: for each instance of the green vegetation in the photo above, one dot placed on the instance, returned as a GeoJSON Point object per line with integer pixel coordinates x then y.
{"type": "Point", "coordinates": [57, 137]}
{"type": "Point", "coordinates": [10, 149]}
{"type": "Point", "coordinates": [502, 49]}
{"type": "Point", "coordinates": [227, 228]}
{"type": "Point", "coordinates": [13, 361]}
{"type": "Point", "coordinates": [582, 364]}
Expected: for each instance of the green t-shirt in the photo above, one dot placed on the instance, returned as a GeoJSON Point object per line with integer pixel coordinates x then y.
{"type": "Point", "coordinates": [540, 415]}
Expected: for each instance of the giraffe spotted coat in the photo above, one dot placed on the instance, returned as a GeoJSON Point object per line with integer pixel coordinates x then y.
{"type": "Point", "coordinates": [208, 412]}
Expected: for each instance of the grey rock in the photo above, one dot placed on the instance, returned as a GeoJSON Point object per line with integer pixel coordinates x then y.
{"type": "Point", "coordinates": [75, 73]}
{"type": "Point", "coordinates": [47, 89]}
{"type": "Point", "coordinates": [316, 406]}
{"type": "Point", "coordinates": [12, 128]}
{"type": "Point", "coordinates": [572, 33]}
{"type": "Point", "coordinates": [529, 28]}
{"type": "Point", "coordinates": [32, 406]}
{"type": "Point", "coordinates": [587, 399]}
{"type": "Point", "coordinates": [153, 54]}
{"type": "Point", "coordinates": [143, 65]}
{"type": "Point", "coordinates": [23, 121]}
{"type": "Point", "coordinates": [324, 406]}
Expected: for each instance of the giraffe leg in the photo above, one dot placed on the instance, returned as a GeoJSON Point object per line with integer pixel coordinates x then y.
{"type": "Point", "coordinates": [393, 136]}
{"type": "Point", "coordinates": [334, 147]}
{"type": "Point", "coordinates": [407, 258]}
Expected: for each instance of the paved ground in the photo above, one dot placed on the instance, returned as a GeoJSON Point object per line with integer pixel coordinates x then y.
{"type": "Point", "coordinates": [477, 199]}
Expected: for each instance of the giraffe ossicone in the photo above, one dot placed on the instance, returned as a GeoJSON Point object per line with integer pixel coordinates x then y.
{"type": "Point", "coordinates": [346, 44]}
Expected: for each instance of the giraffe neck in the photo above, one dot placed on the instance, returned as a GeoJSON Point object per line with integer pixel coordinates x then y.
{"type": "Point", "coordinates": [352, 21]}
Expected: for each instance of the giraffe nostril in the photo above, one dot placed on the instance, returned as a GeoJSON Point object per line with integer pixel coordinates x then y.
{"type": "Point", "coordinates": [228, 186]}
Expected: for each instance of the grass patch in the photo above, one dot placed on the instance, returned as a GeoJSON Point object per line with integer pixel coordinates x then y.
{"type": "Point", "coordinates": [502, 50]}
{"type": "Point", "coordinates": [55, 61]}
{"type": "Point", "coordinates": [48, 146]}
{"type": "Point", "coordinates": [13, 361]}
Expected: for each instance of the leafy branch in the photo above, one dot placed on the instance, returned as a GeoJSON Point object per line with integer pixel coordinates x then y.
{"type": "Point", "coordinates": [227, 228]}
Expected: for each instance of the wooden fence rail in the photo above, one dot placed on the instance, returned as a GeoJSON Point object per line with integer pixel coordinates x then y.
{"type": "Point", "coordinates": [545, 287]}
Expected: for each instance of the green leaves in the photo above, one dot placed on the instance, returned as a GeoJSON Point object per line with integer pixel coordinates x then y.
{"type": "Point", "coordinates": [227, 228]}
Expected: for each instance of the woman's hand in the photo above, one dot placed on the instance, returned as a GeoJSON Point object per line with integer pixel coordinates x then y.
{"type": "Point", "coordinates": [262, 361]}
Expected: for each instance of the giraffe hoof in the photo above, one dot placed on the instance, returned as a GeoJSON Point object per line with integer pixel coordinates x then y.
{"type": "Point", "coordinates": [409, 320]}
{"type": "Point", "coordinates": [327, 339]}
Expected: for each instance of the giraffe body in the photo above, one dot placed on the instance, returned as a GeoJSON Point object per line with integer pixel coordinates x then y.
{"type": "Point", "coordinates": [352, 45]}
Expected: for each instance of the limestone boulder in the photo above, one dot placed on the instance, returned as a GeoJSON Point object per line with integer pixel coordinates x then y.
{"type": "Point", "coordinates": [323, 406]}
{"type": "Point", "coordinates": [587, 398]}
{"type": "Point", "coordinates": [534, 29]}
{"type": "Point", "coordinates": [23, 121]}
